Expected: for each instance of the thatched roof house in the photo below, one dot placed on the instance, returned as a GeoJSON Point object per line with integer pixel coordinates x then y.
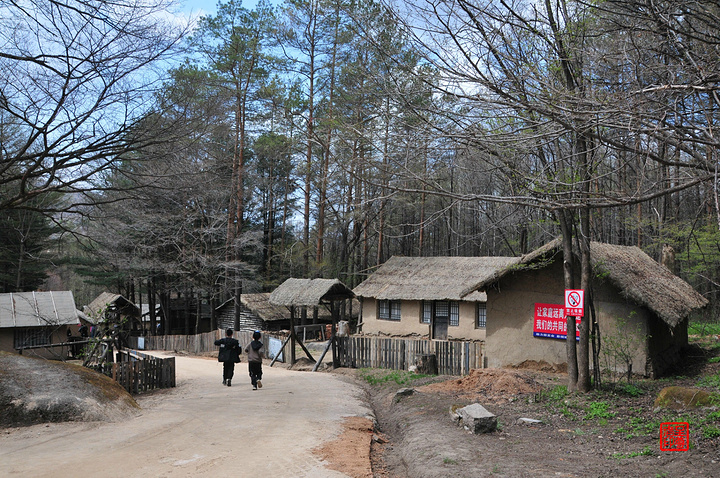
{"type": "Point", "coordinates": [428, 296]}
{"type": "Point", "coordinates": [430, 278]}
{"type": "Point", "coordinates": [628, 288]}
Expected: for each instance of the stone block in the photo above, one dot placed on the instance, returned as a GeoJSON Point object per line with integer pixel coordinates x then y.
{"type": "Point", "coordinates": [477, 419]}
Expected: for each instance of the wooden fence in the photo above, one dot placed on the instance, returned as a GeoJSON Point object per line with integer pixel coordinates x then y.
{"type": "Point", "coordinates": [137, 372]}
{"type": "Point", "coordinates": [453, 357]}
{"type": "Point", "coordinates": [192, 344]}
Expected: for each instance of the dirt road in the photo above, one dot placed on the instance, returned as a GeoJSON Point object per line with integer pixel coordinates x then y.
{"type": "Point", "coordinates": [200, 428]}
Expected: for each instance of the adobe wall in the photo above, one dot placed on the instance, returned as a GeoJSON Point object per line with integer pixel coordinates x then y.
{"type": "Point", "coordinates": [6, 340]}
{"type": "Point", "coordinates": [410, 316]}
{"type": "Point", "coordinates": [511, 307]}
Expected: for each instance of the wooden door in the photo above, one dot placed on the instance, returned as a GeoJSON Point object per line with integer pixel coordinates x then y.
{"type": "Point", "coordinates": [441, 319]}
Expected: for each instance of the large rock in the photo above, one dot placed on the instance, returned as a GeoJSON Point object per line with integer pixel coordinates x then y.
{"type": "Point", "coordinates": [682, 398]}
{"type": "Point", "coordinates": [477, 419]}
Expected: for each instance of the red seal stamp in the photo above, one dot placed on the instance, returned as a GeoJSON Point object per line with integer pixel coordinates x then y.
{"type": "Point", "coordinates": [674, 436]}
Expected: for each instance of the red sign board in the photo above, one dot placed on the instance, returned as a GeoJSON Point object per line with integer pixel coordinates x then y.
{"type": "Point", "coordinates": [550, 322]}
{"type": "Point", "coordinates": [574, 302]}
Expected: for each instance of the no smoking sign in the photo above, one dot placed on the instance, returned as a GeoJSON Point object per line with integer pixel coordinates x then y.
{"type": "Point", "coordinates": [574, 302]}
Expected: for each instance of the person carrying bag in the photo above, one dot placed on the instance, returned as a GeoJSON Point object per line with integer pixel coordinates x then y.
{"type": "Point", "coordinates": [229, 355]}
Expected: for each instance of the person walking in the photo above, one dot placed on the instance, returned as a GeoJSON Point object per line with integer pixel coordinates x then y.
{"type": "Point", "coordinates": [229, 355]}
{"type": "Point", "coordinates": [255, 355]}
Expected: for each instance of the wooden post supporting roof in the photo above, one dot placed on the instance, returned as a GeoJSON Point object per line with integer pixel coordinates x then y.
{"type": "Point", "coordinates": [311, 293]}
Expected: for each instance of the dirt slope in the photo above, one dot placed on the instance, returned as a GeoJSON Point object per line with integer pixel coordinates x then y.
{"type": "Point", "coordinates": [33, 390]}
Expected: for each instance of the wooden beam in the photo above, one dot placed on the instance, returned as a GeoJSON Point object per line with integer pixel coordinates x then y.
{"type": "Point", "coordinates": [281, 351]}
{"type": "Point", "coordinates": [327, 347]}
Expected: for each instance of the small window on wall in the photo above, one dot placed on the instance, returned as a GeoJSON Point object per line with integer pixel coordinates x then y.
{"type": "Point", "coordinates": [426, 316]}
{"type": "Point", "coordinates": [481, 315]}
{"type": "Point", "coordinates": [32, 336]}
{"type": "Point", "coordinates": [389, 310]}
{"type": "Point", "coordinates": [454, 314]}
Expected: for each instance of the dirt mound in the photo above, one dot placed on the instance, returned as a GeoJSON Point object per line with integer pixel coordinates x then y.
{"type": "Point", "coordinates": [542, 366]}
{"type": "Point", "coordinates": [356, 436]}
{"type": "Point", "coordinates": [34, 390]}
{"type": "Point", "coordinates": [302, 364]}
{"type": "Point", "coordinates": [488, 384]}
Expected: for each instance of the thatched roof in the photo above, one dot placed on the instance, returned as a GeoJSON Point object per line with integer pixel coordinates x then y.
{"type": "Point", "coordinates": [646, 282]}
{"type": "Point", "coordinates": [109, 301]}
{"type": "Point", "coordinates": [309, 292]}
{"type": "Point", "coordinates": [37, 309]}
{"type": "Point", "coordinates": [431, 278]}
{"type": "Point", "coordinates": [635, 274]}
{"type": "Point", "coordinates": [259, 304]}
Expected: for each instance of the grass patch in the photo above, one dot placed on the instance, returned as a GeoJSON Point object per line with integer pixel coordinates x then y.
{"type": "Point", "coordinates": [640, 427]}
{"type": "Point", "coordinates": [647, 451]}
{"type": "Point", "coordinates": [704, 328]}
{"type": "Point", "coordinates": [710, 431]}
{"type": "Point", "coordinates": [710, 381]}
{"type": "Point", "coordinates": [553, 395]}
{"type": "Point", "coordinates": [600, 410]}
{"type": "Point", "coordinates": [714, 416]}
{"type": "Point", "coordinates": [400, 377]}
{"type": "Point", "coordinates": [629, 390]}
{"type": "Point", "coordinates": [714, 360]}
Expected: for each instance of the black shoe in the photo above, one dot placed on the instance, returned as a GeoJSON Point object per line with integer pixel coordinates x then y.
{"type": "Point", "coordinates": [228, 383]}
{"type": "Point", "coordinates": [224, 381]}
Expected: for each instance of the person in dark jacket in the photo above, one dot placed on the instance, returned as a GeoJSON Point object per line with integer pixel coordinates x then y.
{"type": "Point", "coordinates": [255, 353]}
{"type": "Point", "coordinates": [229, 355]}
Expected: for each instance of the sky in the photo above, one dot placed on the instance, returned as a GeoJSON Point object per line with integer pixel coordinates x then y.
{"type": "Point", "coordinates": [202, 7]}
{"type": "Point", "coordinates": [208, 7]}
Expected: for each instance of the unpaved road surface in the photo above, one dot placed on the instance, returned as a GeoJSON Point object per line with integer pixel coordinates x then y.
{"type": "Point", "coordinates": [200, 428]}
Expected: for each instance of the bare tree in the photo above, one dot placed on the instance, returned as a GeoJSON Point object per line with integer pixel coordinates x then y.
{"type": "Point", "coordinates": [75, 79]}
{"type": "Point", "coordinates": [534, 102]}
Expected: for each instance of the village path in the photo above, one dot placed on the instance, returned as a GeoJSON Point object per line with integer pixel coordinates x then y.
{"type": "Point", "coordinates": [199, 429]}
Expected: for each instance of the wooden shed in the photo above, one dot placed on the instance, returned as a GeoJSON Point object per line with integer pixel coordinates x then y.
{"type": "Point", "coordinates": [295, 293]}
{"type": "Point", "coordinates": [38, 320]}
{"type": "Point", "coordinates": [256, 313]}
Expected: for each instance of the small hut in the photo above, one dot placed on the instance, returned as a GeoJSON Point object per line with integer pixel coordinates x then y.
{"type": "Point", "coordinates": [111, 310]}
{"type": "Point", "coordinates": [38, 321]}
{"type": "Point", "coordinates": [632, 298]}
{"type": "Point", "coordinates": [256, 313]}
{"type": "Point", "coordinates": [294, 293]}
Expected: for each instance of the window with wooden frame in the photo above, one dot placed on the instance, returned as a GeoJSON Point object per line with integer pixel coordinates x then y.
{"type": "Point", "coordinates": [481, 316]}
{"type": "Point", "coordinates": [31, 336]}
{"type": "Point", "coordinates": [389, 310]}
{"type": "Point", "coordinates": [426, 313]}
{"type": "Point", "coordinates": [454, 314]}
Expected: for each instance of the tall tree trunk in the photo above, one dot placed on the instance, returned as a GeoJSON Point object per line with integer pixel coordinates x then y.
{"type": "Point", "coordinates": [565, 219]}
